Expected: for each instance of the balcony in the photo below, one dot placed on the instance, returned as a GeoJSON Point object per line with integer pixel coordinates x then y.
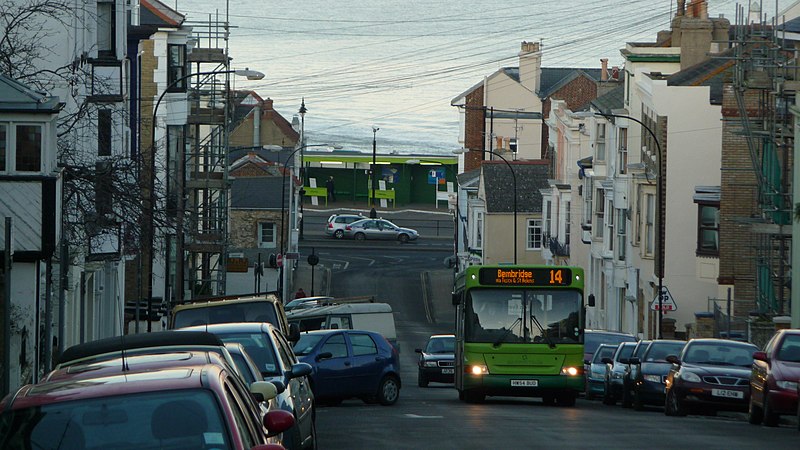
{"type": "Point", "coordinates": [557, 248]}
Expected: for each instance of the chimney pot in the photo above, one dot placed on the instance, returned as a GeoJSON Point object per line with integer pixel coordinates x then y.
{"type": "Point", "coordinates": [604, 69]}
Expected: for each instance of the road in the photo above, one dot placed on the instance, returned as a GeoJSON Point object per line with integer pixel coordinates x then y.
{"type": "Point", "coordinates": [414, 281]}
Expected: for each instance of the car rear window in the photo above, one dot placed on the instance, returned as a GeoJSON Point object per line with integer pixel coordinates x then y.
{"type": "Point", "coordinates": [659, 351]}
{"type": "Point", "coordinates": [187, 418]}
{"type": "Point", "coordinates": [259, 311]}
{"type": "Point", "coordinates": [593, 339]}
{"type": "Point", "coordinates": [260, 349]}
{"type": "Point", "coordinates": [719, 354]}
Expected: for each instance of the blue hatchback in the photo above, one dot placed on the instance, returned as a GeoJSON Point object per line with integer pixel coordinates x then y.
{"type": "Point", "coordinates": [351, 363]}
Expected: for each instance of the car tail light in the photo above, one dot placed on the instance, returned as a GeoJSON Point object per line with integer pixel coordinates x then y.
{"type": "Point", "coordinates": [348, 228]}
{"type": "Point", "coordinates": [330, 225]}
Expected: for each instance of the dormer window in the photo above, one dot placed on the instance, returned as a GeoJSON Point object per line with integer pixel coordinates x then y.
{"type": "Point", "coordinates": [29, 148]}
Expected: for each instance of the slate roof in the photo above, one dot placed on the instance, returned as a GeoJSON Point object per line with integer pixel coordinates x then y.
{"type": "Point", "coordinates": [792, 26]}
{"type": "Point", "coordinates": [613, 99]}
{"type": "Point", "coordinates": [552, 79]}
{"type": "Point", "coordinates": [156, 13]}
{"type": "Point", "coordinates": [257, 192]}
{"type": "Point", "coordinates": [531, 176]}
{"type": "Point", "coordinates": [17, 97]}
{"type": "Point", "coordinates": [712, 72]}
{"type": "Point", "coordinates": [469, 179]}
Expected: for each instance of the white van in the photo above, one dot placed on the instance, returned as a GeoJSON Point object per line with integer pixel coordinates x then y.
{"type": "Point", "coordinates": [375, 317]}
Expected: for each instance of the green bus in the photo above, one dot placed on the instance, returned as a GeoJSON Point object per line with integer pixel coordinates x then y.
{"type": "Point", "coordinates": [519, 332]}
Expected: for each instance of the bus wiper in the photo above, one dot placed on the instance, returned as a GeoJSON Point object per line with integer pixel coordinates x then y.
{"type": "Point", "coordinates": [505, 334]}
{"type": "Point", "coordinates": [541, 330]}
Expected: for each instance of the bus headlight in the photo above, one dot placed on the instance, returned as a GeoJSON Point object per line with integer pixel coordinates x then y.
{"type": "Point", "coordinates": [570, 371]}
{"type": "Point", "coordinates": [478, 369]}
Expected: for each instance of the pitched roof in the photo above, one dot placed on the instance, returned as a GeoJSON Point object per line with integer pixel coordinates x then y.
{"type": "Point", "coordinates": [156, 13]}
{"type": "Point", "coordinates": [712, 72]}
{"type": "Point", "coordinates": [531, 176]}
{"type": "Point", "coordinates": [258, 192]}
{"type": "Point", "coordinates": [17, 97]}
{"type": "Point", "coordinates": [613, 99]}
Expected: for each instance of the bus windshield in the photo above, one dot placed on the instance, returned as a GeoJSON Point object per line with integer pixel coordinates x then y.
{"type": "Point", "coordinates": [547, 316]}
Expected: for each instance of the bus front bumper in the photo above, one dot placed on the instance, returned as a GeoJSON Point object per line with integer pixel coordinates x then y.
{"type": "Point", "coordinates": [523, 385]}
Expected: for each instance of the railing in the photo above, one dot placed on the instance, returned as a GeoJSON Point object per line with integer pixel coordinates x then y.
{"type": "Point", "coordinates": [557, 248]}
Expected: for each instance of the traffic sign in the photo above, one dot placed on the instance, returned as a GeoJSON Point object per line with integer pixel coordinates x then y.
{"type": "Point", "coordinates": [667, 302]}
{"type": "Point", "coordinates": [279, 260]}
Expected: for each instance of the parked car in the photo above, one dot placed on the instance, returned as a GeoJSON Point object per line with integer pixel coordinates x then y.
{"type": "Point", "coordinates": [437, 360]}
{"type": "Point", "coordinates": [278, 364]}
{"type": "Point", "coordinates": [710, 373]}
{"type": "Point", "coordinates": [630, 370]}
{"type": "Point", "coordinates": [137, 408]}
{"type": "Point", "coordinates": [337, 223]}
{"type": "Point", "coordinates": [649, 372]}
{"type": "Point", "coordinates": [250, 308]}
{"type": "Point", "coordinates": [593, 338]}
{"type": "Point", "coordinates": [351, 363]}
{"type": "Point", "coordinates": [774, 379]}
{"type": "Point", "coordinates": [374, 229]}
{"type": "Point", "coordinates": [308, 302]}
{"type": "Point", "coordinates": [596, 375]}
{"type": "Point", "coordinates": [615, 369]}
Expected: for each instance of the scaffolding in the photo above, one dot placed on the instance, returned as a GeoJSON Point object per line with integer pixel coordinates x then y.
{"type": "Point", "coordinates": [765, 82]}
{"type": "Point", "coordinates": [204, 240]}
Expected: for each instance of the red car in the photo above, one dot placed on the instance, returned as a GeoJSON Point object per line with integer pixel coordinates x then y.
{"type": "Point", "coordinates": [189, 406]}
{"type": "Point", "coordinates": [773, 383]}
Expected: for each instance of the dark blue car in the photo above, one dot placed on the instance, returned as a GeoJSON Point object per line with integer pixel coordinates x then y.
{"type": "Point", "coordinates": [351, 363]}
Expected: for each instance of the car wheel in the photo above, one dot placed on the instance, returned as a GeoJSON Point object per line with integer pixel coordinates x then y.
{"type": "Point", "coordinates": [403, 238]}
{"type": "Point", "coordinates": [755, 415]}
{"type": "Point", "coordinates": [771, 419]}
{"type": "Point", "coordinates": [388, 390]}
{"type": "Point", "coordinates": [461, 397]}
{"type": "Point", "coordinates": [589, 395]}
{"type": "Point", "coordinates": [338, 234]}
{"type": "Point", "coordinates": [673, 405]}
{"type": "Point", "coordinates": [359, 236]}
{"type": "Point", "coordinates": [566, 399]}
{"type": "Point", "coordinates": [608, 399]}
{"type": "Point", "coordinates": [474, 396]}
{"type": "Point", "coordinates": [626, 397]}
{"type": "Point", "coordinates": [638, 404]}
{"type": "Point", "coordinates": [422, 381]}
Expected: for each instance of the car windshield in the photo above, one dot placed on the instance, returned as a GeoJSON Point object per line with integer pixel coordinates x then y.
{"type": "Point", "coordinates": [603, 352]}
{"type": "Point", "coordinates": [260, 349]}
{"type": "Point", "coordinates": [790, 349]}
{"type": "Point", "coordinates": [163, 419]}
{"type": "Point", "coordinates": [441, 345]}
{"type": "Point", "coordinates": [659, 351]}
{"type": "Point", "coordinates": [720, 354]}
{"type": "Point", "coordinates": [256, 311]}
{"type": "Point", "coordinates": [626, 351]}
{"type": "Point", "coordinates": [523, 315]}
{"type": "Point", "coordinates": [306, 343]}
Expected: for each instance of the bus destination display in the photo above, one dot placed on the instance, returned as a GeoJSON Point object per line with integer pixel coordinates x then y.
{"type": "Point", "coordinates": [516, 276]}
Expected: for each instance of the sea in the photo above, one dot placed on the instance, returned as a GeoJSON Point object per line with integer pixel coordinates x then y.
{"type": "Point", "coordinates": [395, 65]}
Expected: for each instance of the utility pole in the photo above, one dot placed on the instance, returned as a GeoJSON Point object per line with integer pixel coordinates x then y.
{"type": "Point", "coordinates": [372, 213]}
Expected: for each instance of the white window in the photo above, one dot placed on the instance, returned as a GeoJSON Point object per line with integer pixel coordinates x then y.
{"type": "Point", "coordinates": [29, 148]}
{"type": "Point", "coordinates": [600, 214]}
{"type": "Point", "coordinates": [600, 142]}
{"type": "Point", "coordinates": [548, 217]}
{"type": "Point", "coordinates": [622, 153]}
{"type": "Point", "coordinates": [105, 28]}
{"type": "Point", "coordinates": [567, 219]}
{"type": "Point", "coordinates": [534, 234]}
{"type": "Point", "coordinates": [266, 235]}
{"type": "Point", "coordinates": [649, 226]}
{"type": "Point", "coordinates": [478, 231]}
{"type": "Point", "coordinates": [621, 233]}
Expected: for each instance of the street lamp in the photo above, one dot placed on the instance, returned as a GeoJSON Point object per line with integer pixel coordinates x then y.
{"type": "Point", "coordinates": [251, 75]}
{"type": "Point", "coordinates": [372, 213]}
{"type": "Point", "coordinates": [514, 180]}
{"type": "Point", "coordinates": [659, 213]}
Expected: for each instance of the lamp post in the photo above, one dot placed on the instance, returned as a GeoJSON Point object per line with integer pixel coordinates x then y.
{"type": "Point", "coordinates": [659, 213]}
{"type": "Point", "coordinates": [514, 181]}
{"type": "Point", "coordinates": [150, 228]}
{"type": "Point", "coordinates": [372, 213]}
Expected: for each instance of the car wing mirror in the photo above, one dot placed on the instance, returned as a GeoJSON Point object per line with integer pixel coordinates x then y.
{"type": "Point", "coordinates": [761, 356]}
{"type": "Point", "coordinates": [673, 359]}
{"type": "Point", "coordinates": [300, 370]}
{"type": "Point", "coordinates": [323, 355]}
{"type": "Point", "coordinates": [263, 390]}
{"type": "Point", "coordinates": [586, 362]}
{"type": "Point", "coordinates": [456, 299]}
{"type": "Point", "coordinates": [278, 421]}
{"type": "Point", "coordinates": [634, 360]}
{"type": "Point", "coordinates": [418, 350]}
{"type": "Point", "coordinates": [294, 333]}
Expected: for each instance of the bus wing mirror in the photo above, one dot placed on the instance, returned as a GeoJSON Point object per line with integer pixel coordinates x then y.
{"type": "Point", "coordinates": [456, 299]}
{"type": "Point", "coordinates": [591, 301]}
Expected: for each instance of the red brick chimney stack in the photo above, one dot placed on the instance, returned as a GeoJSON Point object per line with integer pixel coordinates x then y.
{"type": "Point", "coordinates": [603, 69]}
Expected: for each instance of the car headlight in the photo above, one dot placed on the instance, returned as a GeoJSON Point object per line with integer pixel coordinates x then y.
{"type": "Point", "coordinates": [430, 363]}
{"type": "Point", "coordinates": [689, 377]}
{"type": "Point", "coordinates": [478, 369]}
{"type": "Point", "coordinates": [788, 385]}
{"type": "Point", "coordinates": [653, 378]}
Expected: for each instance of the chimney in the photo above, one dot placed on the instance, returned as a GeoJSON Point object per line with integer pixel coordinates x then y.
{"type": "Point", "coordinates": [603, 69]}
{"type": "Point", "coordinates": [681, 8]}
{"type": "Point", "coordinates": [615, 73]}
{"type": "Point", "coordinates": [530, 65]}
{"type": "Point", "coordinates": [268, 104]}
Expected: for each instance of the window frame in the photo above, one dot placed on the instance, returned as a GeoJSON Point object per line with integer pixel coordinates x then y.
{"type": "Point", "coordinates": [110, 34]}
{"type": "Point", "coordinates": [650, 225]}
{"type": "Point", "coordinates": [176, 71]}
{"type": "Point", "coordinates": [16, 137]}
{"type": "Point", "coordinates": [700, 249]}
{"type": "Point", "coordinates": [260, 234]}
{"type": "Point", "coordinates": [531, 228]}
{"type": "Point", "coordinates": [105, 125]}
{"type": "Point", "coordinates": [352, 336]}
{"type": "Point", "coordinates": [622, 151]}
{"type": "Point", "coordinates": [600, 141]}
{"type": "Point", "coordinates": [5, 135]}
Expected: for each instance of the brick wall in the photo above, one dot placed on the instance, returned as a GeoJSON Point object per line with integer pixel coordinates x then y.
{"type": "Point", "coordinates": [576, 93]}
{"type": "Point", "coordinates": [474, 129]}
{"type": "Point", "coordinates": [244, 226]}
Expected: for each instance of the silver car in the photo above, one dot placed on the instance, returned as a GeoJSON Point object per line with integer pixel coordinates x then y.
{"type": "Point", "coordinates": [379, 229]}
{"type": "Point", "coordinates": [337, 223]}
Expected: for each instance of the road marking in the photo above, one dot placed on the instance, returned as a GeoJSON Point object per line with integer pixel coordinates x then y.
{"type": "Point", "coordinates": [415, 416]}
{"type": "Point", "coordinates": [425, 297]}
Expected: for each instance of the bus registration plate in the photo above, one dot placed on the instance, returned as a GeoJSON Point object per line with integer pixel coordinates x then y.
{"type": "Point", "coordinates": [727, 393]}
{"type": "Point", "coordinates": [525, 383]}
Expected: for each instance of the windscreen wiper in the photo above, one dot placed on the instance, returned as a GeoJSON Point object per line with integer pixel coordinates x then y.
{"type": "Point", "coordinates": [541, 330]}
{"type": "Point", "coordinates": [505, 334]}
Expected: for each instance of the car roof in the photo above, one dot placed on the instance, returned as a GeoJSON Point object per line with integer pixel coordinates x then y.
{"type": "Point", "coordinates": [137, 362]}
{"type": "Point", "coordinates": [718, 341]}
{"type": "Point", "coordinates": [119, 383]}
{"type": "Point", "coordinates": [232, 327]}
{"type": "Point", "coordinates": [135, 341]}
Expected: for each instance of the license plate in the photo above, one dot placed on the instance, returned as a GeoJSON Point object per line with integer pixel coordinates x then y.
{"type": "Point", "coordinates": [727, 393]}
{"type": "Point", "coordinates": [525, 383]}
{"type": "Point", "coordinates": [448, 371]}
